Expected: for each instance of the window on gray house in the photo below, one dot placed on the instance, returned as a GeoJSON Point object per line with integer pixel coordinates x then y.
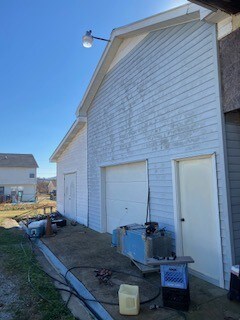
{"type": "Point", "coordinates": [31, 175]}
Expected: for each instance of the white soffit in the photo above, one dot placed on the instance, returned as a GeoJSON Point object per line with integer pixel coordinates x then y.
{"type": "Point", "coordinates": [216, 17]}
{"type": "Point", "coordinates": [125, 47]}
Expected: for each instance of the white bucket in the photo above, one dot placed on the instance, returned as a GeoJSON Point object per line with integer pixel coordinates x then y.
{"type": "Point", "coordinates": [129, 303]}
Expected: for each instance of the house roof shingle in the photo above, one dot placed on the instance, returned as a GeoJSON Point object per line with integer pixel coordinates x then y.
{"type": "Point", "coordinates": [17, 160]}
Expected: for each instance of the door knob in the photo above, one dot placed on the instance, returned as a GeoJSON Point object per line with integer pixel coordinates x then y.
{"type": "Point", "coordinates": [182, 219]}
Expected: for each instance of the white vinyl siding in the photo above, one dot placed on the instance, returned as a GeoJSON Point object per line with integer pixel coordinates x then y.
{"type": "Point", "coordinates": [160, 102]}
{"type": "Point", "coordinates": [74, 159]}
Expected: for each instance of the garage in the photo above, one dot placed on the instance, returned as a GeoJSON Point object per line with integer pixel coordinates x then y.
{"type": "Point", "coordinates": [126, 194]}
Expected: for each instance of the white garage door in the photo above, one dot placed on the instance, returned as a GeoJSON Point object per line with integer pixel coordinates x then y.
{"type": "Point", "coordinates": [126, 194]}
{"type": "Point", "coordinates": [70, 203]}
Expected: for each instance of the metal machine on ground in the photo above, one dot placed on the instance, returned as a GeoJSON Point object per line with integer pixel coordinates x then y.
{"type": "Point", "coordinates": [140, 243]}
{"type": "Point", "coordinates": [149, 248]}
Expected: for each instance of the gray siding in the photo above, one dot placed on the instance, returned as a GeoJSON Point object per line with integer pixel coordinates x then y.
{"type": "Point", "coordinates": [233, 151]}
{"type": "Point", "coordinates": [229, 48]}
{"type": "Point", "coordinates": [158, 103]}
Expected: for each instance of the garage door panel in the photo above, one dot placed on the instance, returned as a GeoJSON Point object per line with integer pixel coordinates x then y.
{"type": "Point", "coordinates": [126, 172]}
{"type": "Point", "coordinates": [129, 191]}
{"type": "Point", "coordinates": [121, 213]}
{"type": "Point", "coordinates": [126, 194]}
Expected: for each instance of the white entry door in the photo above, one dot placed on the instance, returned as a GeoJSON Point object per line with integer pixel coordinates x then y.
{"type": "Point", "coordinates": [126, 194]}
{"type": "Point", "coordinates": [199, 217]}
{"type": "Point", "coordinates": [70, 203]}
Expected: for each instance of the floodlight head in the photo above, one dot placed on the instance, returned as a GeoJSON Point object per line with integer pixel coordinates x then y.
{"type": "Point", "coordinates": [87, 39]}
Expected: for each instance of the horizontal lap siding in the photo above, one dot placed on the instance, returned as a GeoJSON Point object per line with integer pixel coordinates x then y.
{"type": "Point", "coordinates": [17, 176]}
{"type": "Point", "coordinates": [74, 159]}
{"type": "Point", "coordinates": [158, 103]}
{"type": "Point", "coordinates": [233, 151]}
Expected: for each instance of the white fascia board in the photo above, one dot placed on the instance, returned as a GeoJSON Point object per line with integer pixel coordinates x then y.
{"type": "Point", "coordinates": [181, 14]}
{"type": "Point", "coordinates": [216, 17]}
{"type": "Point", "coordinates": [78, 124]}
{"type": "Point", "coordinates": [204, 12]}
{"type": "Point", "coordinates": [176, 16]}
{"type": "Point", "coordinates": [100, 71]}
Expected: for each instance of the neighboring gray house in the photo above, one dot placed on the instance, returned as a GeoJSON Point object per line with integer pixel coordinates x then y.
{"type": "Point", "coordinates": [18, 177]}
{"type": "Point", "coordinates": [151, 120]}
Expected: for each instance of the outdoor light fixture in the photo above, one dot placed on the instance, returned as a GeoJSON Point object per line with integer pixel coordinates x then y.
{"type": "Point", "coordinates": [87, 40]}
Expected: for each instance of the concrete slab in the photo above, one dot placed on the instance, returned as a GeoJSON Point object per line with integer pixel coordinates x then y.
{"type": "Point", "coordinates": [78, 246]}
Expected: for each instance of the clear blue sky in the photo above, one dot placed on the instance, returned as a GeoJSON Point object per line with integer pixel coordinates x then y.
{"type": "Point", "coordinates": [44, 69]}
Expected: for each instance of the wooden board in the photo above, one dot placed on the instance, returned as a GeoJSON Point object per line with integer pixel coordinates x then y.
{"type": "Point", "coordinates": [146, 268]}
{"type": "Point", "coordinates": [178, 260]}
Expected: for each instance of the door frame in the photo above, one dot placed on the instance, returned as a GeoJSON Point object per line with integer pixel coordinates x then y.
{"type": "Point", "coordinates": [102, 168]}
{"type": "Point", "coordinates": [177, 211]}
{"type": "Point", "coordinates": [65, 174]}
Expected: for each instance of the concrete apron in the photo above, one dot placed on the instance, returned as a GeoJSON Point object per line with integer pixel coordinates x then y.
{"type": "Point", "coordinates": [75, 283]}
{"type": "Point", "coordinates": [81, 246]}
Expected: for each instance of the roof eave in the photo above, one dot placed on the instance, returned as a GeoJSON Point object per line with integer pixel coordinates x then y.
{"type": "Point", "coordinates": [75, 128]}
{"type": "Point", "coordinates": [226, 6]}
{"type": "Point", "coordinates": [101, 69]}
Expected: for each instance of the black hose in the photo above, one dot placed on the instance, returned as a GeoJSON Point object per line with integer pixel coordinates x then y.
{"type": "Point", "coordinates": [82, 299]}
{"type": "Point", "coordinates": [73, 292]}
{"type": "Point", "coordinates": [122, 272]}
